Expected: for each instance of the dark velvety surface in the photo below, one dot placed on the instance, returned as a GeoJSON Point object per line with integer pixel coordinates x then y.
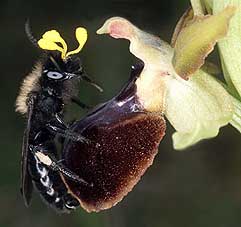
{"type": "Point", "coordinates": [124, 141]}
{"type": "Point", "coordinates": [120, 151]}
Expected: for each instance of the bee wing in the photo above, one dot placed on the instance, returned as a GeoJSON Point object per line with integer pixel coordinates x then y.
{"type": "Point", "coordinates": [26, 181]}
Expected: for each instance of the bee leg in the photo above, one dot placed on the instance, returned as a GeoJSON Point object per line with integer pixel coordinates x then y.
{"type": "Point", "coordinates": [83, 76]}
{"type": "Point", "coordinates": [66, 133]}
{"type": "Point", "coordinates": [80, 104]}
{"type": "Point", "coordinates": [61, 128]}
{"type": "Point", "coordinates": [91, 82]}
{"type": "Point", "coordinates": [57, 166]}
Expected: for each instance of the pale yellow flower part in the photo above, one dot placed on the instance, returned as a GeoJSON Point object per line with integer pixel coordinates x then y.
{"type": "Point", "coordinates": [52, 35]}
{"type": "Point", "coordinates": [49, 45]}
{"type": "Point", "coordinates": [50, 39]}
{"type": "Point", "coordinates": [81, 36]}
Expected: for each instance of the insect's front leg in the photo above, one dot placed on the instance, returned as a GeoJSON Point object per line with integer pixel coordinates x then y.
{"type": "Point", "coordinates": [79, 103]}
{"type": "Point", "coordinates": [58, 126]}
{"type": "Point", "coordinates": [83, 76]}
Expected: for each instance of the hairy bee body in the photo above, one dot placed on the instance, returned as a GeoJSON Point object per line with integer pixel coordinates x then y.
{"type": "Point", "coordinates": [42, 98]}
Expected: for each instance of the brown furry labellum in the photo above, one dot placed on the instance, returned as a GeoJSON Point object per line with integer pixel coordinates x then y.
{"type": "Point", "coordinates": [124, 141]}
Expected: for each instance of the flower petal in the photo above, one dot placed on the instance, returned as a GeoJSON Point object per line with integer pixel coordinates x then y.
{"type": "Point", "coordinates": [197, 108]}
{"type": "Point", "coordinates": [197, 40]}
{"type": "Point", "coordinates": [185, 18]}
{"type": "Point", "coordinates": [230, 47]}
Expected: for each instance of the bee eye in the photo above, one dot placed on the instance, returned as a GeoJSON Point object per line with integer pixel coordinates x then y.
{"type": "Point", "coordinates": [54, 75]}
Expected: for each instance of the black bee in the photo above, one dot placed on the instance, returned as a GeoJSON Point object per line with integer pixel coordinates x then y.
{"type": "Point", "coordinates": [42, 98]}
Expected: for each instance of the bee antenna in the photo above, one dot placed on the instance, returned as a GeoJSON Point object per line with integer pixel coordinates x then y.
{"type": "Point", "coordinates": [55, 63]}
{"type": "Point", "coordinates": [29, 34]}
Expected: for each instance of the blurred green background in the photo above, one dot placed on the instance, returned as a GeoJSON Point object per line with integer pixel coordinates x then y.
{"type": "Point", "coordinates": [199, 187]}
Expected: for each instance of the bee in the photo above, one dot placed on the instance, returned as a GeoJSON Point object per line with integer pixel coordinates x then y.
{"type": "Point", "coordinates": [42, 98]}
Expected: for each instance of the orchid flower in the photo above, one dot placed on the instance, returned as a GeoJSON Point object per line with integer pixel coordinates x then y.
{"type": "Point", "coordinates": [177, 81]}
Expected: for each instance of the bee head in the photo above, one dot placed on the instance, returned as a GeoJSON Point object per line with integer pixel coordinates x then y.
{"type": "Point", "coordinates": [58, 65]}
{"type": "Point", "coordinates": [61, 65]}
{"type": "Point", "coordinates": [57, 69]}
{"type": "Point", "coordinates": [57, 73]}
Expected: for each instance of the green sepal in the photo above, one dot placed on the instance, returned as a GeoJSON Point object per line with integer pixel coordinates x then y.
{"type": "Point", "coordinates": [197, 108]}
{"type": "Point", "coordinates": [197, 39]}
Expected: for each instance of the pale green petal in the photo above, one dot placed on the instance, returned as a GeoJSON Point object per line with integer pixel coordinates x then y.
{"type": "Point", "coordinates": [230, 46]}
{"type": "Point", "coordinates": [183, 140]}
{"type": "Point", "coordinates": [236, 120]}
{"type": "Point", "coordinates": [182, 23]}
{"type": "Point", "coordinates": [197, 39]}
{"type": "Point", "coordinates": [197, 108]}
{"type": "Point", "coordinates": [231, 88]}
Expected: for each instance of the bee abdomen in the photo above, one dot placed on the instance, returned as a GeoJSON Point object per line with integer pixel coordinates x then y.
{"type": "Point", "coordinates": [51, 187]}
